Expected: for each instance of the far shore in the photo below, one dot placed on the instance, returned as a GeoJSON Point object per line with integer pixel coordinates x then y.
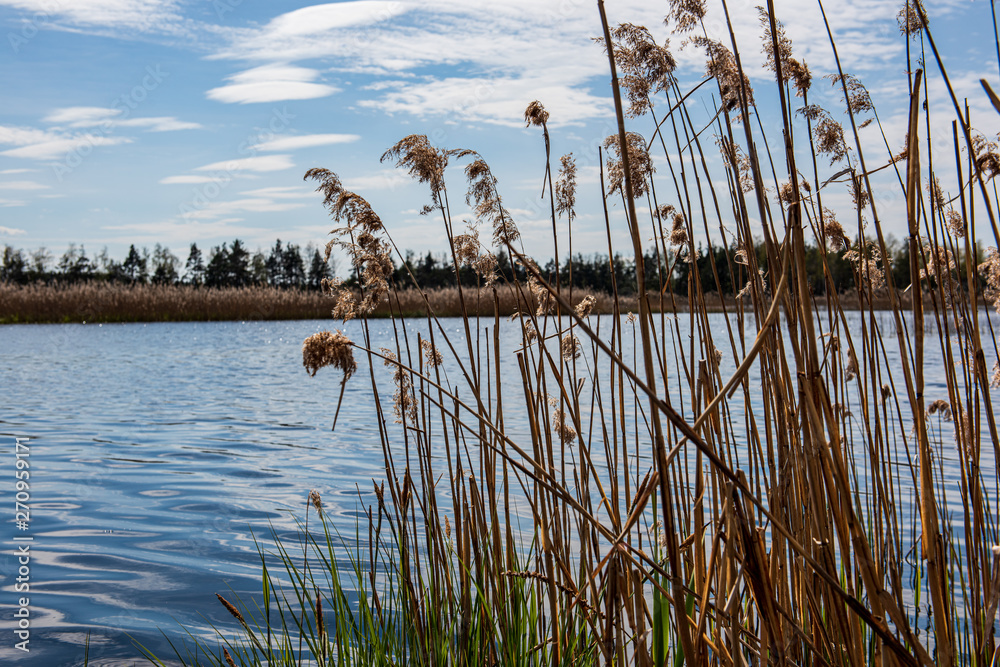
{"type": "Point", "coordinates": [104, 303]}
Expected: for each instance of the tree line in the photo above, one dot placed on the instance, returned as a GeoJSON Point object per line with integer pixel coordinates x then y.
{"type": "Point", "coordinates": [719, 269]}
{"type": "Point", "coordinates": [228, 265]}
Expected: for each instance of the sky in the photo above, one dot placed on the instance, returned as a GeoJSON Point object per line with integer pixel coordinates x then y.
{"type": "Point", "coordinates": [193, 121]}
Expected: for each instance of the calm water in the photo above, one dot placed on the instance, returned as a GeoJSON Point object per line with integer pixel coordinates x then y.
{"type": "Point", "coordinates": [157, 452]}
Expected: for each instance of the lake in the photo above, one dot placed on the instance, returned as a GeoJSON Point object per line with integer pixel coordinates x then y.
{"type": "Point", "coordinates": [158, 452]}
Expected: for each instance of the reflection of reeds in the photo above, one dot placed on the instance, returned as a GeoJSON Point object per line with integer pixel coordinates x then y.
{"type": "Point", "coordinates": [673, 509]}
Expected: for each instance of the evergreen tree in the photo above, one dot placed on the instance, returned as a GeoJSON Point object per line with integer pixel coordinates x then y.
{"type": "Point", "coordinates": [239, 264]}
{"type": "Point", "coordinates": [194, 268]}
{"type": "Point", "coordinates": [217, 271]}
{"type": "Point", "coordinates": [319, 270]}
{"type": "Point", "coordinates": [274, 261]}
{"type": "Point", "coordinates": [293, 269]}
{"type": "Point", "coordinates": [134, 266]}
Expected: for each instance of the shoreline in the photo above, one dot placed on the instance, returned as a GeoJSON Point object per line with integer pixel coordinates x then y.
{"type": "Point", "coordinates": [117, 303]}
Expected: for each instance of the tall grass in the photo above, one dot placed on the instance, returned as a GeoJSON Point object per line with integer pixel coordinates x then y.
{"type": "Point", "coordinates": [776, 487]}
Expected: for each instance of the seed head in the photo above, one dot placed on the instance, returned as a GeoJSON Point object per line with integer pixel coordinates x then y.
{"type": "Point", "coordinates": [940, 408]}
{"type": "Point", "coordinates": [801, 76]}
{"type": "Point", "coordinates": [640, 164]}
{"type": "Point", "coordinates": [316, 501]}
{"type": "Point", "coordinates": [955, 223]}
{"type": "Point", "coordinates": [987, 158]}
{"type": "Point", "coordinates": [403, 404]}
{"type": "Point", "coordinates": [566, 187]}
{"type": "Point", "coordinates": [858, 100]}
{"type": "Point", "coordinates": [784, 44]}
{"type": "Point", "coordinates": [911, 18]}
{"type": "Point", "coordinates": [685, 14]}
{"type": "Point", "coordinates": [565, 431]}
{"type": "Point", "coordinates": [431, 353]}
{"type": "Point", "coordinates": [483, 195]}
{"type": "Point", "coordinates": [586, 305]}
{"type": "Point", "coordinates": [569, 346]}
{"type": "Point", "coordinates": [232, 610]}
{"type": "Point", "coordinates": [836, 238]}
{"type": "Point", "coordinates": [867, 262]}
{"type": "Point", "coordinates": [990, 271]}
{"type": "Point", "coordinates": [852, 366]}
{"type": "Point", "coordinates": [329, 349]}
{"type": "Point", "coordinates": [536, 114]}
{"type": "Point", "coordinates": [722, 66]}
{"type": "Point", "coordinates": [424, 162]}
{"type": "Point", "coordinates": [645, 68]}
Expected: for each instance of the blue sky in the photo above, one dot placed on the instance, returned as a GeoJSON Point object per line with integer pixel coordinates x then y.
{"type": "Point", "coordinates": [180, 121]}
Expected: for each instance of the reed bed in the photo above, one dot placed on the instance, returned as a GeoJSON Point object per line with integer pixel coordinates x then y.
{"type": "Point", "coordinates": [117, 302]}
{"type": "Point", "coordinates": [768, 487]}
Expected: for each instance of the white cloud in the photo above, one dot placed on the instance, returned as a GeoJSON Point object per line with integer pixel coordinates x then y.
{"type": "Point", "coordinates": [271, 83]}
{"type": "Point", "coordinates": [550, 57]}
{"type": "Point", "coordinates": [500, 100]}
{"type": "Point", "coordinates": [160, 124]}
{"type": "Point", "coordinates": [182, 232]}
{"type": "Point", "coordinates": [16, 171]}
{"type": "Point", "coordinates": [387, 179]}
{"type": "Point", "coordinates": [53, 149]}
{"type": "Point", "coordinates": [217, 209]}
{"type": "Point", "coordinates": [306, 141]}
{"type": "Point", "coordinates": [22, 185]}
{"type": "Point", "coordinates": [278, 192]}
{"type": "Point", "coordinates": [145, 15]}
{"type": "Point", "coordinates": [262, 163]}
{"type": "Point", "coordinates": [12, 231]}
{"type": "Point", "coordinates": [22, 136]}
{"type": "Point", "coordinates": [80, 117]}
{"type": "Point", "coordinates": [12, 202]}
{"type": "Point", "coordinates": [186, 180]}
{"type": "Point", "coordinates": [320, 18]}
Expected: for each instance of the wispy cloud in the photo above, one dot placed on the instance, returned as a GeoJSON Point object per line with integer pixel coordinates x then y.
{"type": "Point", "coordinates": [108, 118]}
{"type": "Point", "coordinates": [271, 83]}
{"type": "Point", "coordinates": [22, 185]}
{"type": "Point", "coordinates": [12, 231]}
{"type": "Point", "coordinates": [146, 15]}
{"type": "Point", "coordinates": [55, 148]}
{"type": "Point", "coordinates": [183, 231]}
{"type": "Point", "coordinates": [499, 100]}
{"type": "Point", "coordinates": [219, 209]}
{"type": "Point", "coordinates": [260, 163]}
{"type": "Point", "coordinates": [306, 141]}
{"type": "Point", "coordinates": [188, 179]}
{"type": "Point", "coordinates": [387, 179]}
{"type": "Point", "coordinates": [279, 192]}
{"type": "Point", "coordinates": [481, 61]}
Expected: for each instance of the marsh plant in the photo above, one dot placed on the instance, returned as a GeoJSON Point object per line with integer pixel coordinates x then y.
{"type": "Point", "coordinates": [764, 486]}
